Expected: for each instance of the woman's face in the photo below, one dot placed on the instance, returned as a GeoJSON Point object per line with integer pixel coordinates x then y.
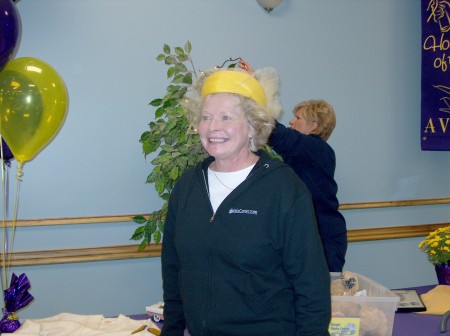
{"type": "Point", "coordinates": [300, 124]}
{"type": "Point", "coordinates": [223, 128]}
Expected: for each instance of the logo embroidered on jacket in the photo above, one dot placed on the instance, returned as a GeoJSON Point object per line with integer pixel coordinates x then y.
{"type": "Point", "coordinates": [243, 211]}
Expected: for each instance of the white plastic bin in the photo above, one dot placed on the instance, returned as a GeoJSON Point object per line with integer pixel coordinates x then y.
{"type": "Point", "coordinates": [363, 315]}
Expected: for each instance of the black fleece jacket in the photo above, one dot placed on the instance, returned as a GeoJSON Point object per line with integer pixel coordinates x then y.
{"type": "Point", "coordinates": [255, 267]}
{"type": "Point", "coordinates": [314, 162]}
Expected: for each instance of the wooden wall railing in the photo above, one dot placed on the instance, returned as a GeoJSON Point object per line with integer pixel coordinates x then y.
{"type": "Point", "coordinates": [103, 253]}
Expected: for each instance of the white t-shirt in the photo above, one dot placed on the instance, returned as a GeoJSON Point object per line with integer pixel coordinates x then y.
{"type": "Point", "coordinates": [222, 184]}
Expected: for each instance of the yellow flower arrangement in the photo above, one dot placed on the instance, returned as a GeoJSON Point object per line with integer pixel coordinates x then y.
{"type": "Point", "coordinates": [437, 246]}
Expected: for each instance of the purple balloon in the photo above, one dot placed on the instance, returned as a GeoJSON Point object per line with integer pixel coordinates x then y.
{"type": "Point", "coordinates": [7, 154]}
{"type": "Point", "coordinates": [10, 30]}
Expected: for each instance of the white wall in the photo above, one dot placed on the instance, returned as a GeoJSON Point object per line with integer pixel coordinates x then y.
{"type": "Point", "coordinates": [362, 56]}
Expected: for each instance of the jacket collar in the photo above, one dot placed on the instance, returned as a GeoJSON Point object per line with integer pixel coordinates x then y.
{"type": "Point", "coordinates": [264, 160]}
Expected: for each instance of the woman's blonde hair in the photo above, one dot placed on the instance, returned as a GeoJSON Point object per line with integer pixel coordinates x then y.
{"type": "Point", "coordinates": [261, 119]}
{"type": "Point", "coordinates": [321, 112]}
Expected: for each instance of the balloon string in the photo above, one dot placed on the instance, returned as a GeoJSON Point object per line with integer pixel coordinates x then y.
{"type": "Point", "coordinates": [16, 208]}
{"type": "Point", "coordinates": [4, 228]}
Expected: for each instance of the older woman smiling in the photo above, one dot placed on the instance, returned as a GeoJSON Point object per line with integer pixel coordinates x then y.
{"type": "Point", "coordinates": [241, 249]}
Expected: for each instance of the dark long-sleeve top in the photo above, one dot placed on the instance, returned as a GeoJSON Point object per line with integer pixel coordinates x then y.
{"type": "Point", "coordinates": [255, 267]}
{"type": "Point", "coordinates": [314, 161]}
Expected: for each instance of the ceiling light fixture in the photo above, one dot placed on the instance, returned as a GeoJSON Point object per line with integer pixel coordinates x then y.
{"type": "Point", "coordinates": [269, 5]}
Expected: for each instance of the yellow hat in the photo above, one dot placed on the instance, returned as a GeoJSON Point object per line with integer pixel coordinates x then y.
{"type": "Point", "coordinates": [234, 82]}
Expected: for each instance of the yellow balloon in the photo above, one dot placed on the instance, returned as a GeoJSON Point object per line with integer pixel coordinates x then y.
{"type": "Point", "coordinates": [33, 106]}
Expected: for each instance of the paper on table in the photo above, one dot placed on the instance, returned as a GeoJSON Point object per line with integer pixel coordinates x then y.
{"type": "Point", "coordinates": [436, 300]}
{"type": "Point", "coordinates": [66, 324]}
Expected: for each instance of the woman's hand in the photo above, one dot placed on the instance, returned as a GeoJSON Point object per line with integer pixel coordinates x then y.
{"type": "Point", "coordinates": [245, 66]}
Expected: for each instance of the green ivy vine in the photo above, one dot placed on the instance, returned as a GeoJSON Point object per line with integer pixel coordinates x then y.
{"type": "Point", "coordinates": [169, 134]}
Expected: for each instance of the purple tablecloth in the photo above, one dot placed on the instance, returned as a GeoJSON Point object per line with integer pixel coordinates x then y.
{"type": "Point", "coordinates": [413, 324]}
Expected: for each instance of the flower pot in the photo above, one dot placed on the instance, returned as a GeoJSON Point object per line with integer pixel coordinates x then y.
{"type": "Point", "coordinates": [443, 274]}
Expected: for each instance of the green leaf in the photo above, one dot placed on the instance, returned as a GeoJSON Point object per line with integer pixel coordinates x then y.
{"type": "Point", "coordinates": [188, 47]}
{"type": "Point", "coordinates": [157, 237]}
{"type": "Point", "coordinates": [178, 79]}
{"type": "Point", "coordinates": [138, 234]}
{"type": "Point", "coordinates": [183, 58]}
{"type": "Point", "coordinates": [181, 137]}
{"type": "Point", "coordinates": [171, 60]}
{"type": "Point", "coordinates": [181, 68]}
{"type": "Point", "coordinates": [161, 222]}
{"type": "Point", "coordinates": [156, 102]}
{"type": "Point", "coordinates": [171, 124]}
{"type": "Point", "coordinates": [167, 148]}
{"type": "Point", "coordinates": [160, 186]}
{"type": "Point", "coordinates": [180, 93]}
{"type": "Point", "coordinates": [139, 219]}
{"type": "Point", "coordinates": [151, 227]}
{"type": "Point", "coordinates": [159, 112]}
{"type": "Point", "coordinates": [160, 57]}
{"type": "Point", "coordinates": [179, 51]}
{"type": "Point", "coordinates": [171, 71]}
{"type": "Point", "coordinates": [187, 79]}
{"type": "Point", "coordinates": [170, 102]}
{"type": "Point", "coordinates": [164, 157]}
{"type": "Point", "coordinates": [150, 146]}
{"type": "Point", "coordinates": [142, 246]}
{"type": "Point", "coordinates": [174, 173]}
{"type": "Point", "coordinates": [144, 136]}
{"type": "Point", "coordinates": [166, 49]}
{"type": "Point", "coordinates": [153, 176]}
{"type": "Point", "coordinates": [173, 88]}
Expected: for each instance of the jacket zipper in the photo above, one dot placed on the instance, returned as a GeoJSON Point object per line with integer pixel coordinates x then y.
{"type": "Point", "coordinates": [204, 321]}
{"type": "Point", "coordinates": [209, 197]}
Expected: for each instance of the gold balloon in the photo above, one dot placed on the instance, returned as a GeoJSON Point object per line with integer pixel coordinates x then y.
{"type": "Point", "coordinates": [33, 106]}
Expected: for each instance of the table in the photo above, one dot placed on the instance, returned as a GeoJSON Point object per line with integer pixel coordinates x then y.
{"type": "Point", "coordinates": [413, 324]}
{"type": "Point", "coordinates": [405, 324]}
{"type": "Point", "coordinates": [145, 317]}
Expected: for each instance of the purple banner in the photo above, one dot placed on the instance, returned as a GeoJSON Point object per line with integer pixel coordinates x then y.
{"type": "Point", "coordinates": [435, 109]}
